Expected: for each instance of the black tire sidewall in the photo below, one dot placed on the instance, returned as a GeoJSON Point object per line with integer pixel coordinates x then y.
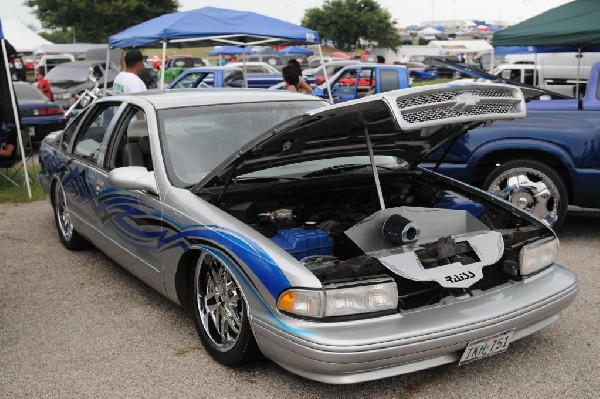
{"type": "Point", "coordinates": [244, 351]}
{"type": "Point", "coordinates": [542, 168]}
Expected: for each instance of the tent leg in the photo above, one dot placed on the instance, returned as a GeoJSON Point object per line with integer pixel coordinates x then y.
{"type": "Point", "coordinates": [105, 71]}
{"type": "Point", "coordinates": [244, 66]}
{"type": "Point", "coordinates": [16, 116]}
{"type": "Point", "coordinates": [162, 66]}
{"type": "Point", "coordinates": [325, 75]}
{"type": "Point", "coordinates": [579, 55]}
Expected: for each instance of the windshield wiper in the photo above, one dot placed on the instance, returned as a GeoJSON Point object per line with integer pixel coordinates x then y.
{"type": "Point", "coordinates": [266, 179]}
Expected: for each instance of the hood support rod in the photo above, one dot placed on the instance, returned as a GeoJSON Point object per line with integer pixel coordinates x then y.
{"type": "Point", "coordinates": [374, 167]}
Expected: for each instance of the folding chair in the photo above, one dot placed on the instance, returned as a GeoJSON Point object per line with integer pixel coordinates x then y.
{"type": "Point", "coordinates": [12, 168]}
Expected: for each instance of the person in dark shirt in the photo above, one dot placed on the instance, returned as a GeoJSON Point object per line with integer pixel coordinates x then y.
{"type": "Point", "coordinates": [8, 141]}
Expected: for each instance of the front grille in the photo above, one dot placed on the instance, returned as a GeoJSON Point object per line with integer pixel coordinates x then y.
{"type": "Point", "coordinates": [449, 96]}
{"type": "Point", "coordinates": [444, 113]}
{"type": "Point", "coordinates": [456, 103]}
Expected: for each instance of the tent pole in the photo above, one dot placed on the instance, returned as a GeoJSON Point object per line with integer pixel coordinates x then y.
{"type": "Point", "coordinates": [492, 60]}
{"type": "Point", "coordinates": [106, 71]}
{"type": "Point", "coordinates": [244, 66]}
{"type": "Point", "coordinates": [16, 116]}
{"type": "Point", "coordinates": [578, 71]}
{"type": "Point", "coordinates": [325, 75]}
{"type": "Point", "coordinates": [162, 65]}
{"type": "Point", "coordinates": [535, 68]}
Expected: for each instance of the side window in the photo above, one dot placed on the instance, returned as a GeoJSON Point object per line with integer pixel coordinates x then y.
{"type": "Point", "coordinates": [187, 81]}
{"type": "Point", "coordinates": [234, 78]}
{"type": "Point", "coordinates": [208, 80]}
{"type": "Point", "coordinates": [90, 137]}
{"type": "Point", "coordinates": [70, 131]}
{"type": "Point", "coordinates": [528, 77]}
{"type": "Point", "coordinates": [130, 145]}
{"type": "Point", "coordinates": [388, 80]}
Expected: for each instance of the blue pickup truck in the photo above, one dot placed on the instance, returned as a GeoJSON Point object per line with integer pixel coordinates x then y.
{"type": "Point", "coordinates": [542, 163]}
{"type": "Point", "coordinates": [357, 81]}
{"type": "Point", "coordinates": [224, 76]}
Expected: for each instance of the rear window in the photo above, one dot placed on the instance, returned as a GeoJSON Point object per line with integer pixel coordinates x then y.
{"type": "Point", "coordinates": [388, 80]}
{"type": "Point", "coordinates": [27, 93]}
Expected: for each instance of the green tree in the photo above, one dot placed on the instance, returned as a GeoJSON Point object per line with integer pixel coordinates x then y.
{"type": "Point", "coordinates": [60, 36]}
{"type": "Point", "coordinates": [95, 20]}
{"type": "Point", "coordinates": [347, 21]}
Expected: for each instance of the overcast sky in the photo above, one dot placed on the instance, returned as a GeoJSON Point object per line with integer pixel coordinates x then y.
{"type": "Point", "coordinates": [406, 12]}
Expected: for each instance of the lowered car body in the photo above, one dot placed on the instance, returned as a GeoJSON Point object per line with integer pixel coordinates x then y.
{"type": "Point", "coordinates": [309, 233]}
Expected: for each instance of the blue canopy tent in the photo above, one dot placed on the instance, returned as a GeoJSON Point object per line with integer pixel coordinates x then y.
{"type": "Point", "coordinates": [12, 104]}
{"type": "Point", "coordinates": [295, 50]}
{"type": "Point", "coordinates": [229, 50]}
{"type": "Point", "coordinates": [213, 26]}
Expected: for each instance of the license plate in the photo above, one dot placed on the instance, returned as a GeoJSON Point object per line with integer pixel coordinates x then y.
{"type": "Point", "coordinates": [31, 131]}
{"type": "Point", "coordinates": [487, 346]}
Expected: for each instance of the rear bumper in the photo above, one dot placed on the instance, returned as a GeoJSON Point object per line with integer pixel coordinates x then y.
{"type": "Point", "coordinates": [355, 351]}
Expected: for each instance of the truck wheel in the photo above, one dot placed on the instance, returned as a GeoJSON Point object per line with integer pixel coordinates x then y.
{"type": "Point", "coordinates": [532, 186]}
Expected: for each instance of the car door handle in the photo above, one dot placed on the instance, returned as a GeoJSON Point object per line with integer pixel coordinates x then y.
{"type": "Point", "coordinates": [99, 186]}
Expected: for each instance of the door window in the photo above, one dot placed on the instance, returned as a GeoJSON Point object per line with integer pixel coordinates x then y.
{"type": "Point", "coordinates": [89, 139]}
{"type": "Point", "coordinates": [388, 80]}
{"type": "Point", "coordinates": [130, 145]}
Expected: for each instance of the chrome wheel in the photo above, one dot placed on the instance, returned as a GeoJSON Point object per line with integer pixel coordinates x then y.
{"type": "Point", "coordinates": [529, 189]}
{"type": "Point", "coordinates": [219, 302]}
{"type": "Point", "coordinates": [63, 218]}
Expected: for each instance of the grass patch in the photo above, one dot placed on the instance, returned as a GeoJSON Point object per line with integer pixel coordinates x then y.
{"type": "Point", "coordinates": [432, 82]}
{"type": "Point", "coordinates": [10, 193]}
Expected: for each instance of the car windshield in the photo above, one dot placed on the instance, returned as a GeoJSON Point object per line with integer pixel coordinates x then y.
{"type": "Point", "coordinates": [27, 93]}
{"type": "Point", "coordinates": [197, 139]}
{"type": "Point", "coordinates": [69, 72]}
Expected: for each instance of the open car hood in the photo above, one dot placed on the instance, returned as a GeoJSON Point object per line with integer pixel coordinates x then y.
{"type": "Point", "coordinates": [408, 124]}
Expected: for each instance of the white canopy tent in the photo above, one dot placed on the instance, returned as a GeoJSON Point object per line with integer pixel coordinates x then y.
{"type": "Point", "coordinates": [21, 37]}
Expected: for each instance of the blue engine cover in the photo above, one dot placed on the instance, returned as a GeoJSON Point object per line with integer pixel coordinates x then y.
{"type": "Point", "coordinates": [450, 200]}
{"type": "Point", "coordinates": [301, 243]}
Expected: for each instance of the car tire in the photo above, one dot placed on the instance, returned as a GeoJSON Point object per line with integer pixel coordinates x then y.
{"type": "Point", "coordinates": [532, 186]}
{"type": "Point", "coordinates": [220, 313]}
{"type": "Point", "coordinates": [70, 238]}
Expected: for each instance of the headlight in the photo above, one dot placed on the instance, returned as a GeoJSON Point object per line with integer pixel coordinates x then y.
{"type": "Point", "coordinates": [538, 255]}
{"type": "Point", "coordinates": [342, 299]}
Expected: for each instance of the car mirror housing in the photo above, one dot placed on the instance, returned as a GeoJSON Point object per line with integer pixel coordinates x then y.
{"type": "Point", "coordinates": [133, 178]}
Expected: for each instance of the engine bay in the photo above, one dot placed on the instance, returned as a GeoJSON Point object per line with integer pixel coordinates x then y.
{"type": "Point", "coordinates": [431, 238]}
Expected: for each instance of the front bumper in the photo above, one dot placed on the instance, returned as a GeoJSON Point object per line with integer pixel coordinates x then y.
{"type": "Point", "coordinates": [355, 351]}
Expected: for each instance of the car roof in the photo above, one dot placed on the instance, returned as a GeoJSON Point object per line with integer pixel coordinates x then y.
{"type": "Point", "coordinates": [250, 63]}
{"type": "Point", "coordinates": [177, 98]}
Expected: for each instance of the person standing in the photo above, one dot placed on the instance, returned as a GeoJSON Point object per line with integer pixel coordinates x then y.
{"type": "Point", "coordinates": [43, 85]}
{"type": "Point", "coordinates": [303, 87]}
{"type": "Point", "coordinates": [128, 80]}
{"type": "Point", "coordinates": [290, 78]}
{"type": "Point", "coordinates": [222, 60]}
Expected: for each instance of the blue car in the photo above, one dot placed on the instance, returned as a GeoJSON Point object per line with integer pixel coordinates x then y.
{"type": "Point", "coordinates": [38, 114]}
{"type": "Point", "coordinates": [420, 71]}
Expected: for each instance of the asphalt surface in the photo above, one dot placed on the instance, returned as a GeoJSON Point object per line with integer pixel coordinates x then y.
{"type": "Point", "coordinates": [75, 324]}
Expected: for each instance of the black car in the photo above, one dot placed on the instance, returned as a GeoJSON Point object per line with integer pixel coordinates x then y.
{"type": "Point", "coordinates": [72, 78]}
{"type": "Point", "coordinates": [444, 71]}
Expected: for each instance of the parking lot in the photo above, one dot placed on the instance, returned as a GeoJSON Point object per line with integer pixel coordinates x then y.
{"type": "Point", "coordinates": [75, 324]}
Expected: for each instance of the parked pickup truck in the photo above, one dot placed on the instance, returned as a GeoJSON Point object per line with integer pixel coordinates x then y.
{"type": "Point", "coordinates": [222, 76]}
{"type": "Point", "coordinates": [542, 163]}
{"type": "Point", "coordinates": [208, 76]}
{"type": "Point", "coordinates": [357, 81]}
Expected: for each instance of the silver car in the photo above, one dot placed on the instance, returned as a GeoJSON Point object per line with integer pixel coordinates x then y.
{"type": "Point", "coordinates": [306, 232]}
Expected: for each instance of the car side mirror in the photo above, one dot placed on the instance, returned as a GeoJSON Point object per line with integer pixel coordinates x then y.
{"type": "Point", "coordinates": [133, 178]}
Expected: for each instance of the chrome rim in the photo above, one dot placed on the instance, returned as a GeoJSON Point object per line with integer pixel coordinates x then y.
{"type": "Point", "coordinates": [62, 214]}
{"type": "Point", "coordinates": [219, 302]}
{"type": "Point", "coordinates": [530, 190]}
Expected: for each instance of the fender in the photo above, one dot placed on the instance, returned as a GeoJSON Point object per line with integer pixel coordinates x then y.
{"type": "Point", "coordinates": [521, 144]}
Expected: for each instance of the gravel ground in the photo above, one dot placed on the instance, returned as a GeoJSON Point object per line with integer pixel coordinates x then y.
{"type": "Point", "coordinates": [75, 324]}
